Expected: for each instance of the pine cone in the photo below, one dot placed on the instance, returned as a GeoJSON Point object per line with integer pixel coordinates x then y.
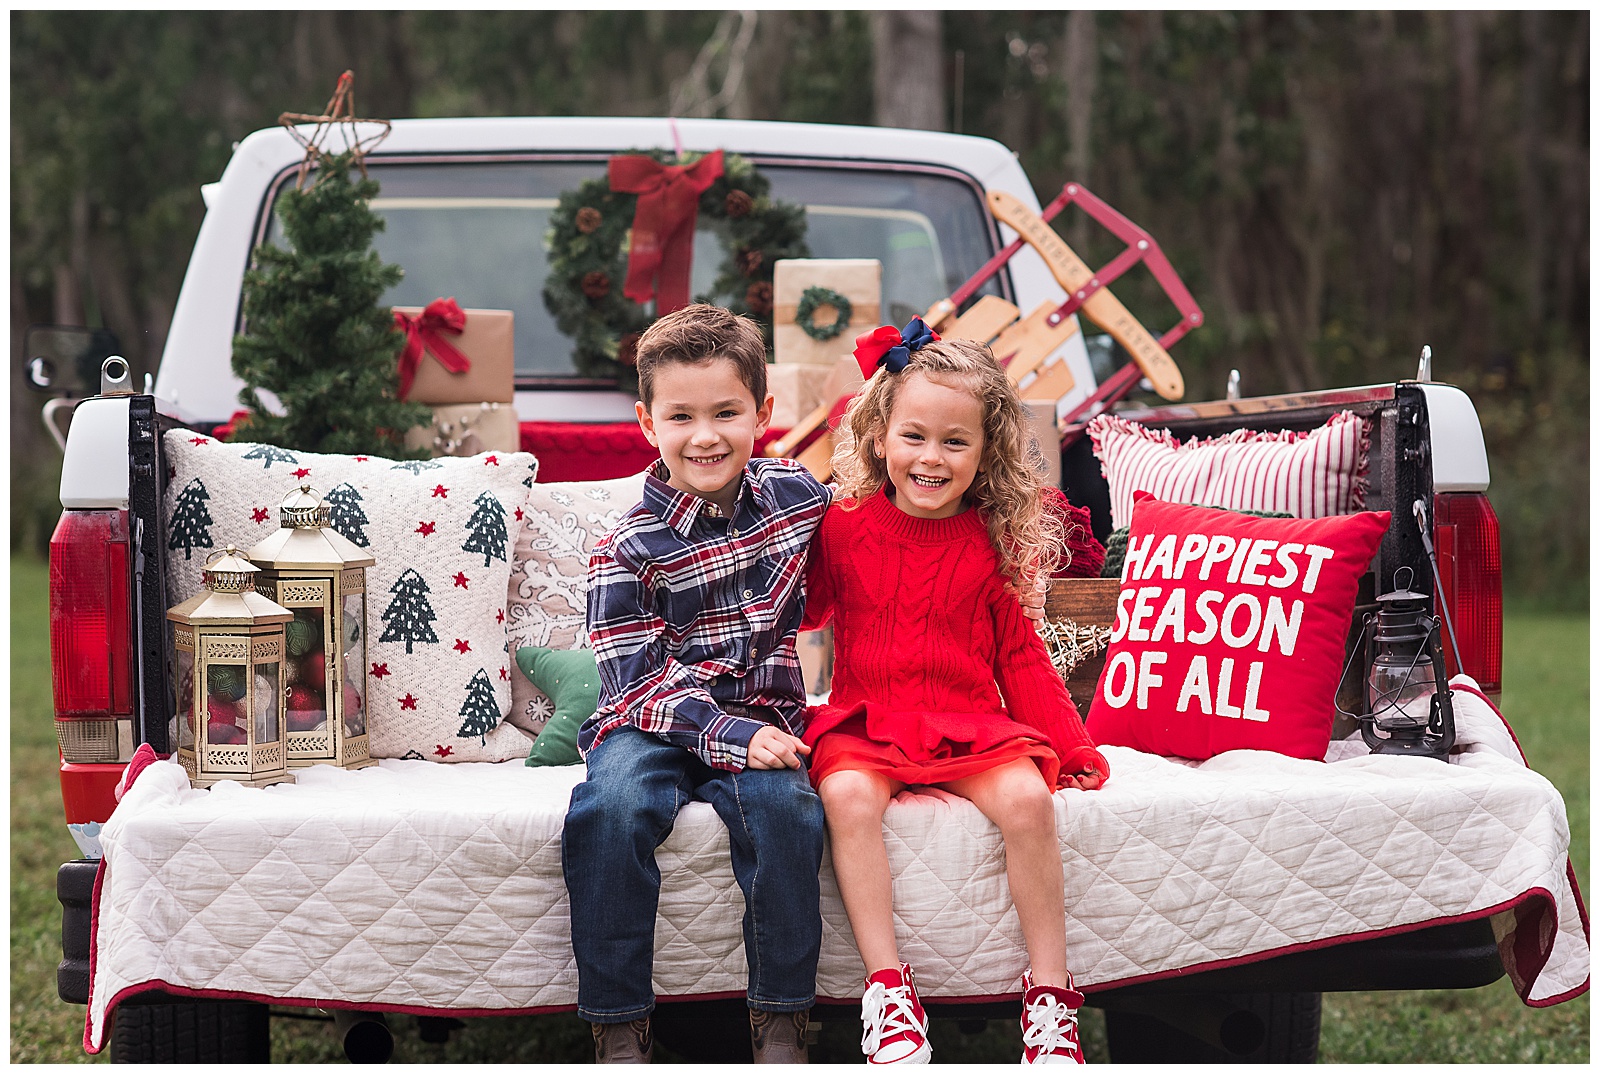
{"type": "Point", "coordinates": [588, 220]}
{"type": "Point", "coordinates": [749, 261]}
{"type": "Point", "coordinates": [595, 285]}
{"type": "Point", "coordinates": [739, 204]}
{"type": "Point", "coordinates": [628, 349]}
{"type": "Point", "coordinates": [759, 298]}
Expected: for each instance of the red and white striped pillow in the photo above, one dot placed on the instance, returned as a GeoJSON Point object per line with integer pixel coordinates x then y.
{"type": "Point", "coordinates": [1308, 475]}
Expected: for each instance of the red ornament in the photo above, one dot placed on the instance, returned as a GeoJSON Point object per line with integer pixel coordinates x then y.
{"type": "Point", "coordinates": [314, 670]}
{"type": "Point", "coordinates": [352, 699]}
{"type": "Point", "coordinates": [307, 709]}
{"type": "Point", "coordinates": [304, 698]}
{"type": "Point", "coordinates": [305, 721]}
{"type": "Point", "coordinates": [221, 710]}
{"type": "Point", "coordinates": [225, 734]}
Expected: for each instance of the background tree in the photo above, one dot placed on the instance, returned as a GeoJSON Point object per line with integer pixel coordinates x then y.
{"type": "Point", "coordinates": [1337, 188]}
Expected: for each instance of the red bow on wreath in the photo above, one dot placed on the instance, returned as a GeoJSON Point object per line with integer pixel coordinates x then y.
{"type": "Point", "coordinates": [425, 329]}
{"type": "Point", "coordinates": [663, 223]}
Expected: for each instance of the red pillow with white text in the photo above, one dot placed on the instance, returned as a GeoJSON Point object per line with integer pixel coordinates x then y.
{"type": "Point", "coordinates": [1230, 630]}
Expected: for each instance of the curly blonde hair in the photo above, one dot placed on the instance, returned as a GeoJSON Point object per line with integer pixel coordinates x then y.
{"type": "Point", "coordinates": [1007, 491]}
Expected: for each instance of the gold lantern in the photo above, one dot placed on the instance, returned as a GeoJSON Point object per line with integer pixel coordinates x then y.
{"type": "Point", "coordinates": [230, 645]}
{"type": "Point", "coordinates": [321, 577]}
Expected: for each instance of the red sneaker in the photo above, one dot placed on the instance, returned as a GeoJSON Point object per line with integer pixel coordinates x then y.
{"type": "Point", "coordinates": [1050, 1023]}
{"type": "Point", "coordinates": [894, 1027]}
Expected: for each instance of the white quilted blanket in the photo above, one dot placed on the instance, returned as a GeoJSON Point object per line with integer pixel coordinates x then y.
{"type": "Point", "coordinates": [415, 886]}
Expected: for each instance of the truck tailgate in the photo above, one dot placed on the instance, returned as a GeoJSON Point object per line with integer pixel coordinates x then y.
{"type": "Point", "coordinates": [417, 886]}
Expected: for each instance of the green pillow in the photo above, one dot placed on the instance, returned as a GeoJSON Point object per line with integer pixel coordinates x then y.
{"type": "Point", "coordinates": [572, 682]}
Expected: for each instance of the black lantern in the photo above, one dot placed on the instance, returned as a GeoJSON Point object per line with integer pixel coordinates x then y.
{"type": "Point", "coordinates": [1406, 697]}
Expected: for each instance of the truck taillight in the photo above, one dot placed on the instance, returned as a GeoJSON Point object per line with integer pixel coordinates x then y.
{"type": "Point", "coordinates": [91, 634]}
{"type": "Point", "coordinates": [1467, 535]}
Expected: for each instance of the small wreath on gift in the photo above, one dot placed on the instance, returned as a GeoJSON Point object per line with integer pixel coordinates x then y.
{"type": "Point", "coordinates": [588, 246]}
{"type": "Point", "coordinates": [814, 298]}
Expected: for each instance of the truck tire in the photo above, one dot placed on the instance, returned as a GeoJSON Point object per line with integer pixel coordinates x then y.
{"type": "Point", "coordinates": [192, 1031]}
{"type": "Point", "coordinates": [1288, 1026]}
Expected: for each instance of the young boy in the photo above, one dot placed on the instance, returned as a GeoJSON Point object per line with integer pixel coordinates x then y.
{"type": "Point", "coordinates": [694, 604]}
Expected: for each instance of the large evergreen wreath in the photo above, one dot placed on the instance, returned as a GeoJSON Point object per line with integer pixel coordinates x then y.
{"type": "Point", "coordinates": [589, 260]}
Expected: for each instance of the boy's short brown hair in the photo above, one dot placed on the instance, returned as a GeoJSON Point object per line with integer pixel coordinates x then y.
{"type": "Point", "coordinates": [699, 333]}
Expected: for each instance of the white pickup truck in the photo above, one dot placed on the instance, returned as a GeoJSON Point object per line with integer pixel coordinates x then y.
{"type": "Point", "coordinates": [467, 203]}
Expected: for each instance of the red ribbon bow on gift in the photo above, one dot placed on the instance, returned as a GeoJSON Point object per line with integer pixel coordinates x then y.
{"type": "Point", "coordinates": [663, 223]}
{"type": "Point", "coordinates": [441, 315]}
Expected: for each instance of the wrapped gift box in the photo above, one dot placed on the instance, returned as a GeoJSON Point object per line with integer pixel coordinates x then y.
{"type": "Point", "coordinates": [858, 279]}
{"type": "Point", "coordinates": [467, 429]}
{"type": "Point", "coordinates": [796, 391]}
{"type": "Point", "coordinates": [487, 342]}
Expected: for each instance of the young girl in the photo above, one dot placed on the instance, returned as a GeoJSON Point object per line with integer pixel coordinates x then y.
{"type": "Point", "coordinates": [938, 509]}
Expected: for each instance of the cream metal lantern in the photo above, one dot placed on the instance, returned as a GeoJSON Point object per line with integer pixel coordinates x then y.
{"type": "Point", "coordinates": [321, 577]}
{"type": "Point", "coordinates": [230, 644]}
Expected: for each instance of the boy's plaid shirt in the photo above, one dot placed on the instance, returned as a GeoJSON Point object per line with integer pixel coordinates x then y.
{"type": "Point", "coordinates": [693, 615]}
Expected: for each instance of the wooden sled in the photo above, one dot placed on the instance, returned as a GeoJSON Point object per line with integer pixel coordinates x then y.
{"type": "Point", "coordinates": [1022, 344]}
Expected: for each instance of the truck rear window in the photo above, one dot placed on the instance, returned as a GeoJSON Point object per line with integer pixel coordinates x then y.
{"type": "Point", "coordinates": [476, 231]}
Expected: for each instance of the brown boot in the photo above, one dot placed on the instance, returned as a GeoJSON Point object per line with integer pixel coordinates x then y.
{"type": "Point", "coordinates": [622, 1042]}
{"type": "Point", "coordinates": [779, 1037]}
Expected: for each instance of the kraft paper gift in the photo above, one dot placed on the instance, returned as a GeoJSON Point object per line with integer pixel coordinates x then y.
{"type": "Point", "coordinates": [486, 340]}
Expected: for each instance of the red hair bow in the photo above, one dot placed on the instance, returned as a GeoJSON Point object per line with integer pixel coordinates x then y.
{"type": "Point", "coordinates": [891, 347]}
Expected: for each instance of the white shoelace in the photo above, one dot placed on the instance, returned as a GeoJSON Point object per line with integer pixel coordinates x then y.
{"type": "Point", "coordinates": [886, 1012]}
{"type": "Point", "coordinates": [1049, 1021]}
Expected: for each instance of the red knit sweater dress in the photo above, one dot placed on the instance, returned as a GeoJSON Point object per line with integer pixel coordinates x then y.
{"type": "Point", "coordinates": [923, 630]}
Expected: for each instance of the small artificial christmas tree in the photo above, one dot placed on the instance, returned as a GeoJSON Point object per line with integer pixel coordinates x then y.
{"type": "Point", "coordinates": [487, 527]}
{"type": "Point", "coordinates": [479, 713]}
{"type": "Point", "coordinates": [316, 337]}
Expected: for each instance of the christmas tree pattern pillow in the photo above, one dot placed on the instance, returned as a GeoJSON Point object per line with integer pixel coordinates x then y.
{"type": "Point", "coordinates": [441, 531]}
{"type": "Point", "coordinates": [549, 591]}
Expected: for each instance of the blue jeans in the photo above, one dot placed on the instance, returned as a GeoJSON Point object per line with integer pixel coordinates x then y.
{"type": "Point", "coordinates": [625, 809]}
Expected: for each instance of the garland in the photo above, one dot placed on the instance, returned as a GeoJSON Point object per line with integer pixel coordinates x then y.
{"type": "Point", "coordinates": [588, 238]}
{"type": "Point", "coordinates": [815, 298]}
{"type": "Point", "coordinates": [1071, 644]}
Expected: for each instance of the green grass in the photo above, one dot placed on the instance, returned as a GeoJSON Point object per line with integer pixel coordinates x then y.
{"type": "Point", "coordinates": [1546, 697]}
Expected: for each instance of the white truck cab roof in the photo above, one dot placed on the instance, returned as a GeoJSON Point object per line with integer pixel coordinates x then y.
{"type": "Point", "coordinates": [196, 382]}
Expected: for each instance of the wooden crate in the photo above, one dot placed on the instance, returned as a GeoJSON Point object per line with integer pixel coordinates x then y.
{"type": "Point", "coordinates": [1087, 602]}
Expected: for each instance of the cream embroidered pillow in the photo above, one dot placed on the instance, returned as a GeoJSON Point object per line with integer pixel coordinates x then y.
{"type": "Point", "coordinates": [548, 595]}
{"type": "Point", "coordinates": [441, 531]}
